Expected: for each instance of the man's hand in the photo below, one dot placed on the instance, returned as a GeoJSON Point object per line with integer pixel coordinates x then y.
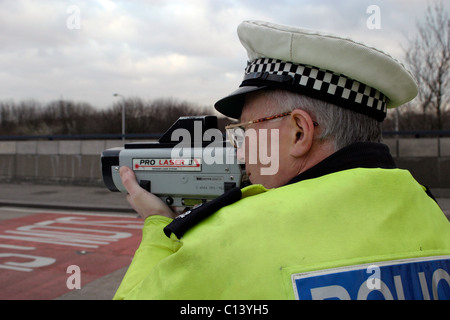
{"type": "Point", "coordinates": [143, 202]}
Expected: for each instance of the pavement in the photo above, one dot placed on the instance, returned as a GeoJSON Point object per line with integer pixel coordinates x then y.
{"type": "Point", "coordinates": [66, 197]}
{"type": "Point", "coordinates": [17, 198]}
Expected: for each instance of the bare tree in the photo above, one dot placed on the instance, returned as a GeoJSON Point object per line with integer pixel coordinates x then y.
{"type": "Point", "coordinates": [428, 56]}
{"type": "Point", "coordinates": [153, 116]}
{"type": "Point", "coordinates": [64, 117]}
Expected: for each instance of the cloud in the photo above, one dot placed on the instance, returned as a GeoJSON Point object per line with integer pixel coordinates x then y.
{"type": "Point", "coordinates": [151, 49]}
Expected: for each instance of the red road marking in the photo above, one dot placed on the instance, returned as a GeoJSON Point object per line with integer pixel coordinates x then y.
{"type": "Point", "coordinates": [36, 250]}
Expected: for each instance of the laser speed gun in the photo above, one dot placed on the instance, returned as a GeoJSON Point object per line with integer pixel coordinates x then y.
{"type": "Point", "coordinates": [190, 164]}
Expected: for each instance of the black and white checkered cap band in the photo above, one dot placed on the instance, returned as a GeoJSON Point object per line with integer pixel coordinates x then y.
{"type": "Point", "coordinates": [318, 83]}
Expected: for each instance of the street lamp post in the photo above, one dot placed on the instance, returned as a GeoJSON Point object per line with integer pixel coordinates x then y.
{"type": "Point", "coordinates": [123, 114]}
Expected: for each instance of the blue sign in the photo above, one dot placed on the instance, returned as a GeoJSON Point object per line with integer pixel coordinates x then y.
{"type": "Point", "coordinates": [409, 279]}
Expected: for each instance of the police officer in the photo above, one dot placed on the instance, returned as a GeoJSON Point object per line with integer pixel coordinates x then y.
{"type": "Point", "coordinates": [337, 220]}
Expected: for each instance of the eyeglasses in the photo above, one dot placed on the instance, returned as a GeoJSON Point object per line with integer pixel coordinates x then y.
{"type": "Point", "coordinates": [236, 132]}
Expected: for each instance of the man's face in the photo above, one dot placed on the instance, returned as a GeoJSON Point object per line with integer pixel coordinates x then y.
{"type": "Point", "coordinates": [265, 150]}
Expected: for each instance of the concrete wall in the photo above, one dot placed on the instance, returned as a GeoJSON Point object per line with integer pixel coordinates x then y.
{"type": "Point", "coordinates": [78, 162]}
{"type": "Point", "coordinates": [428, 159]}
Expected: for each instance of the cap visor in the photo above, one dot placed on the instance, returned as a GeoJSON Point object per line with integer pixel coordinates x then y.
{"type": "Point", "coordinates": [232, 105]}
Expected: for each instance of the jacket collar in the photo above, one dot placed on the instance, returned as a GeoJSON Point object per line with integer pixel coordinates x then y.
{"type": "Point", "coordinates": [356, 155]}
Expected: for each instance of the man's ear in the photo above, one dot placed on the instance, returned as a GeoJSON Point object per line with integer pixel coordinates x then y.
{"type": "Point", "coordinates": [302, 133]}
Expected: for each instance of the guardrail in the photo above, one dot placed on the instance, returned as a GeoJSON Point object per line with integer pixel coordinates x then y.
{"type": "Point", "coordinates": [418, 133]}
{"type": "Point", "coordinates": [155, 136]}
{"type": "Point", "coordinates": [51, 137]}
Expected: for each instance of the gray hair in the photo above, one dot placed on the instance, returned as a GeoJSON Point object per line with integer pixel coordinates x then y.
{"type": "Point", "coordinates": [340, 126]}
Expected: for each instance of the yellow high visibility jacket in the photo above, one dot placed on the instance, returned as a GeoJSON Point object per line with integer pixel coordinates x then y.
{"type": "Point", "coordinates": [358, 233]}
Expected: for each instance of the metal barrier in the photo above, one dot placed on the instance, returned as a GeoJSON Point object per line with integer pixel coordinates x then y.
{"type": "Point", "coordinates": [51, 137]}
{"type": "Point", "coordinates": [155, 136]}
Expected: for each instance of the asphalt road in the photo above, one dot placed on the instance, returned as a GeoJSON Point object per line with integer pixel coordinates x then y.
{"type": "Point", "coordinates": [39, 249]}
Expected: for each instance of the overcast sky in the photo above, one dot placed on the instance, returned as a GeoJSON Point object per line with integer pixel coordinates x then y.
{"type": "Point", "coordinates": [184, 49]}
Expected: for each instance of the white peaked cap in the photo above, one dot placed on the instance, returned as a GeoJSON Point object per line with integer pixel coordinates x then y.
{"type": "Point", "coordinates": [324, 66]}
